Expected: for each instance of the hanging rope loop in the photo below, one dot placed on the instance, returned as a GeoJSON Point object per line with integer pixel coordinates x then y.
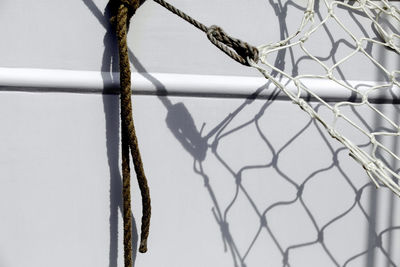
{"type": "Point", "coordinates": [235, 48]}
{"type": "Point", "coordinates": [121, 12]}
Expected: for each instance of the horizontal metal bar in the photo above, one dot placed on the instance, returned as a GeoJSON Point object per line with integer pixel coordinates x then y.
{"type": "Point", "coordinates": [50, 80]}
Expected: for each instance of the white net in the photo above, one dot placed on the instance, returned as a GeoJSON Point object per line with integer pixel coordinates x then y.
{"type": "Point", "coordinates": [366, 145]}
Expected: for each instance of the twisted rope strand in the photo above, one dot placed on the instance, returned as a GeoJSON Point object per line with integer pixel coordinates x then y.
{"type": "Point", "coordinates": [181, 14]}
{"type": "Point", "coordinates": [126, 192]}
{"type": "Point", "coordinates": [126, 179]}
{"type": "Point", "coordinates": [129, 139]}
{"type": "Point", "coordinates": [235, 48]}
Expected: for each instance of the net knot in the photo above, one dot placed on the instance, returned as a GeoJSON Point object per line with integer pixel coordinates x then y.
{"type": "Point", "coordinates": [379, 164]}
{"type": "Point", "coordinates": [364, 98]}
{"type": "Point", "coordinates": [333, 133]}
{"type": "Point", "coordinates": [131, 5]}
{"type": "Point", "coordinates": [304, 106]}
{"type": "Point", "coordinates": [336, 111]}
{"type": "Point", "coordinates": [309, 14]}
{"type": "Point", "coordinates": [235, 48]}
{"type": "Point", "coordinates": [393, 76]}
{"type": "Point", "coordinates": [369, 166]}
{"type": "Point", "coordinates": [304, 38]}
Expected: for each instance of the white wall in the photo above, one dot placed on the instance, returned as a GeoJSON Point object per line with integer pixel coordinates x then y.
{"type": "Point", "coordinates": [60, 185]}
{"type": "Point", "coordinates": [234, 181]}
{"type": "Point", "coordinates": [76, 35]}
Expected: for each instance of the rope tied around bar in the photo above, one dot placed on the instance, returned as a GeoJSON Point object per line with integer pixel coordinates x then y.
{"type": "Point", "coordinates": [122, 11]}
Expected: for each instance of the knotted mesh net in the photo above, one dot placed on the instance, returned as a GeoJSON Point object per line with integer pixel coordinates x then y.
{"type": "Point", "coordinates": [364, 29]}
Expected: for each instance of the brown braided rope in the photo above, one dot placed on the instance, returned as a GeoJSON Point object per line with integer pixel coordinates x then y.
{"type": "Point", "coordinates": [124, 11]}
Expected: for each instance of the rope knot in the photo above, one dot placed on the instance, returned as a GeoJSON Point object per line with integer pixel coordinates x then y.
{"type": "Point", "coordinates": [333, 133]}
{"type": "Point", "coordinates": [235, 48]}
{"type": "Point", "coordinates": [131, 5]}
{"type": "Point", "coordinates": [369, 166]}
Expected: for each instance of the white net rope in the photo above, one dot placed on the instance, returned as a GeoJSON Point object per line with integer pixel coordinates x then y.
{"type": "Point", "coordinates": [375, 156]}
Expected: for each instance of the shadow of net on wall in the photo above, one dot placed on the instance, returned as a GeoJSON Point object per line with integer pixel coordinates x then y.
{"type": "Point", "coordinates": [292, 226]}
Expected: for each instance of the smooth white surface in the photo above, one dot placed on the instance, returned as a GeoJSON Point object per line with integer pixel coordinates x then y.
{"type": "Point", "coordinates": [60, 185]}
{"type": "Point", "coordinates": [54, 34]}
{"type": "Point", "coordinates": [225, 174]}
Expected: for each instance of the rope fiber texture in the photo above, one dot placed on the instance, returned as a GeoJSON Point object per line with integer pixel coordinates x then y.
{"type": "Point", "coordinates": [123, 11]}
